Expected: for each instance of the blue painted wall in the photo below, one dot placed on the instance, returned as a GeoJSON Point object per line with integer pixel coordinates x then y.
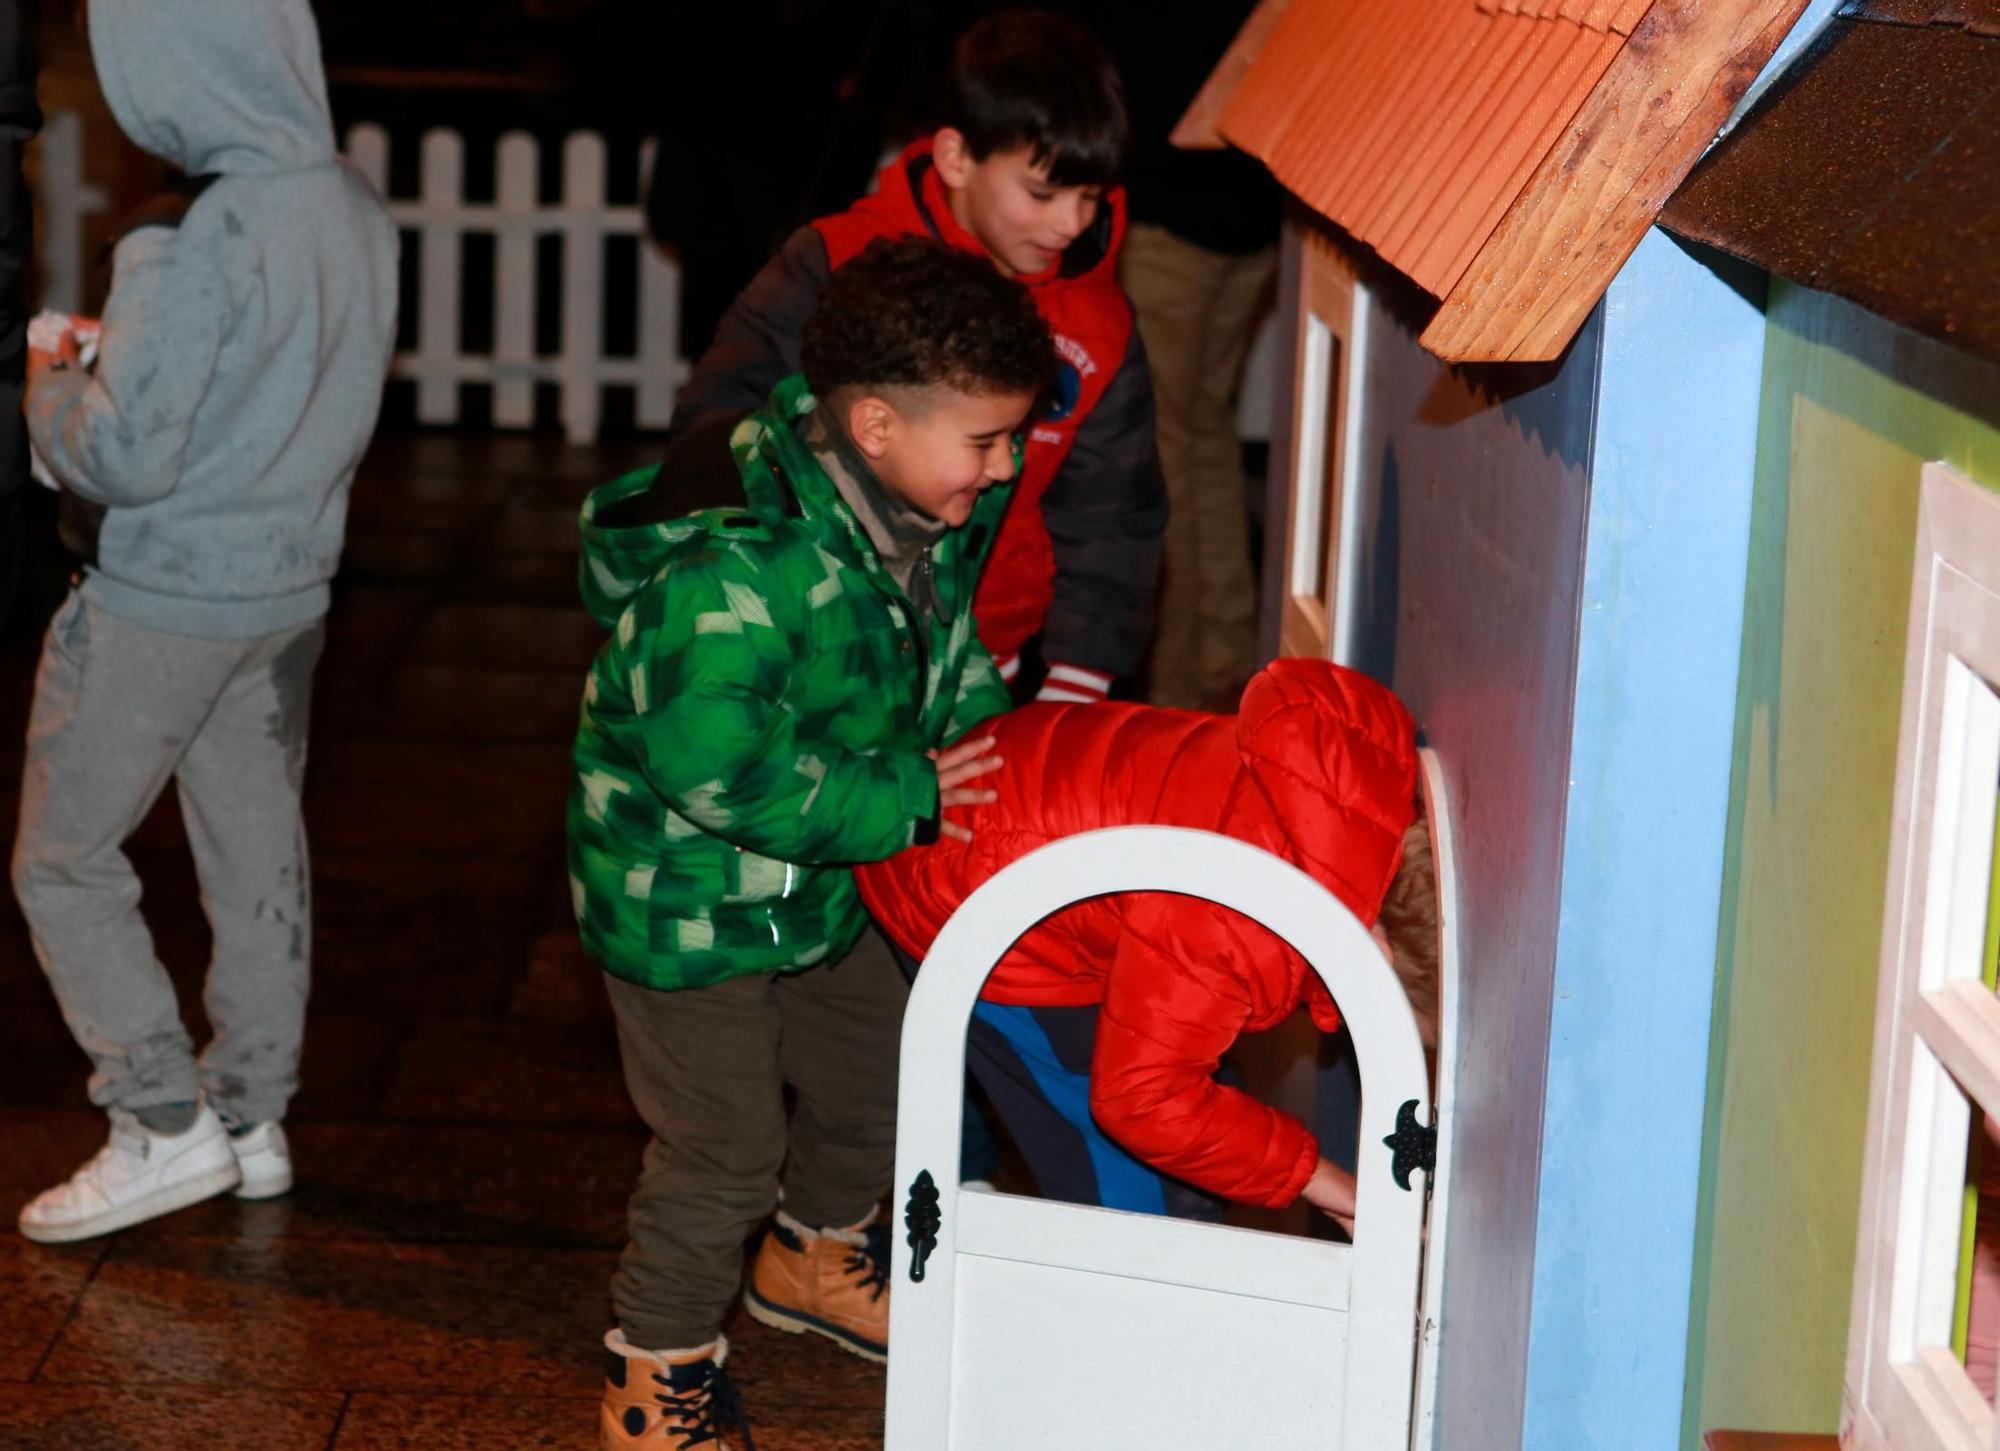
{"type": "Point", "coordinates": [1660, 629]}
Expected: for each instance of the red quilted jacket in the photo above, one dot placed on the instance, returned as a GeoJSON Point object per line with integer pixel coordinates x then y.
{"type": "Point", "coordinates": [1318, 767]}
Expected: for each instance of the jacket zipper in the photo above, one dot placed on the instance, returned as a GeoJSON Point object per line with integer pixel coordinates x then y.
{"type": "Point", "coordinates": [915, 625]}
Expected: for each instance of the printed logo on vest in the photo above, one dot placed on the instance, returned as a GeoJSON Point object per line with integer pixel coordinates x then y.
{"type": "Point", "coordinates": [1063, 397]}
{"type": "Point", "coordinates": [1077, 364]}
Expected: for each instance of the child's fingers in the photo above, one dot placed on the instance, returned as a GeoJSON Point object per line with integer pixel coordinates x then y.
{"type": "Point", "coordinates": [962, 752]}
{"type": "Point", "coordinates": [954, 832]}
{"type": "Point", "coordinates": [966, 796]}
{"type": "Point", "coordinates": [949, 776]}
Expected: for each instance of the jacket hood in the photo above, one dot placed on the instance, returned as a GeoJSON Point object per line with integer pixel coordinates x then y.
{"type": "Point", "coordinates": [1334, 754]}
{"type": "Point", "coordinates": [231, 86]}
{"type": "Point", "coordinates": [624, 547]}
{"type": "Point", "coordinates": [628, 536]}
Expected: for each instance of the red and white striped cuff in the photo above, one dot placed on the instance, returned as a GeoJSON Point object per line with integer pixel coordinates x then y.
{"type": "Point", "coordinates": [1009, 666]}
{"type": "Point", "coordinates": [1073, 682]}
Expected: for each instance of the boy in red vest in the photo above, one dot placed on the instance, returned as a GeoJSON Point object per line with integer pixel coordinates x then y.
{"type": "Point", "coordinates": [1099, 1035]}
{"type": "Point", "coordinates": [1022, 171]}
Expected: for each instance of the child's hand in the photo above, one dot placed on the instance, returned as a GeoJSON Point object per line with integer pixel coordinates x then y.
{"type": "Point", "coordinates": [66, 353]}
{"type": "Point", "coordinates": [961, 763]}
{"type": "Point", "coordinates": [1331, 1191]}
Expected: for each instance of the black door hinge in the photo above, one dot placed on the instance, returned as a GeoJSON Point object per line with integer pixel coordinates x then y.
{"type": "Point", "coordinates": [1415, 1145]}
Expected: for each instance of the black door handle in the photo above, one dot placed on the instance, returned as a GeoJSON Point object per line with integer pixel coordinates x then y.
{"type": "Point", "coordinates": [921, 1217]}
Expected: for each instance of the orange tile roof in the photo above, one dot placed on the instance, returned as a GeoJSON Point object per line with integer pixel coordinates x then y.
{"type": "Point", "coordinates": [1450, 134]}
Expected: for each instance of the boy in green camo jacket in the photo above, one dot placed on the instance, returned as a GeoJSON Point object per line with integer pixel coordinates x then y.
{"type": "Point", "coordinates": [786, 691]}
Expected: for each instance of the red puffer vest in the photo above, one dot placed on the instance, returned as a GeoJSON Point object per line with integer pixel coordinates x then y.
{"type": "Point", "coordinates": [1319, 767]}
{"type": "Point", "coordinates": [1092, 323]}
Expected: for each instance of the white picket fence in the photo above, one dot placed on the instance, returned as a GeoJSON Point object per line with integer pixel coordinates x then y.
{"type": "Point", "coordinates": [439, 216]}
{"type": "Point", "coordinates": [517, 218]}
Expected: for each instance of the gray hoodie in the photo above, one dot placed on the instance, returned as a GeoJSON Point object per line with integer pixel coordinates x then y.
{"type": "Point", "coordinates": [244, 349]}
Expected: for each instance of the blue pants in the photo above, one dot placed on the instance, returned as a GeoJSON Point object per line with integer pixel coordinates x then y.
{"type": "Point", "coordinates": [1034, 1065]}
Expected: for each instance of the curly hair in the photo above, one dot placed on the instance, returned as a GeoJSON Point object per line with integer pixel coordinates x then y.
{"type": "Point", "coordinates": [1409, 919]}
{"type": "Point", "coordinates": [911, 312]}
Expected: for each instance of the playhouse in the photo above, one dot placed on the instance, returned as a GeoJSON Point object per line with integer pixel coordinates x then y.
{"type": "Point", "coordinates": [1639, 423]}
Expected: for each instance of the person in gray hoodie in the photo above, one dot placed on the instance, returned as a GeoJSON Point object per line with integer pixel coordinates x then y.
{"type": "Point", "coordinates": [245, 344]}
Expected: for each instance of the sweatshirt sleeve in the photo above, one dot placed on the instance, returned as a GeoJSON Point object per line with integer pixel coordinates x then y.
{"type": "Point", "coordinates": [757, 342]}
{"type": "Point", "coordinates": [1179, 992]}
{"type": "Point", "coordinates": [1106, 513]}
{"type": "Point", "coordinates": [118, 436]}
{"type": "Point", "coordinates": [724, 751]}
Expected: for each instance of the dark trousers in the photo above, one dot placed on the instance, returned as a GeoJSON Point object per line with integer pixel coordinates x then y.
{"type": "Point", "coordinates": [707, 1069]}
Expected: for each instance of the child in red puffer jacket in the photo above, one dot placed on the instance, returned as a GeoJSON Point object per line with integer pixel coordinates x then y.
{"type": "Point", "coordinates": [1099, 1035]}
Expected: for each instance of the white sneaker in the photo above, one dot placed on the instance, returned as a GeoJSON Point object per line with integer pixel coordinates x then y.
{"type": "Point", "coordinates": [136, 1176]}
{"type": "Point", "coordinates": [265, 1158]}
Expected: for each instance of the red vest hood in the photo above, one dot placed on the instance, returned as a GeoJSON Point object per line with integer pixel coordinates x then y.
{"type": "Point", "coordinates": [909, 198]}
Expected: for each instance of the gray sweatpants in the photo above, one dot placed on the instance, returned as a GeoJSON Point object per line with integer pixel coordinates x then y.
{"type": "Point", "coordinates": [119, 711]}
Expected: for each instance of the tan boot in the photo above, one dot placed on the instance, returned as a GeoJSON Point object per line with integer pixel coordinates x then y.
{"type": "Point", "coordinates": [669, 1400]}
{"type": "Point", "coordinates": [833, 1282]}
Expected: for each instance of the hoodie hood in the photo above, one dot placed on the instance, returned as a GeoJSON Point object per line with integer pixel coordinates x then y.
{"type": "Point", "coordinates": [229, 86]}
{"type": "Point", "coordinates": [1334, 755]}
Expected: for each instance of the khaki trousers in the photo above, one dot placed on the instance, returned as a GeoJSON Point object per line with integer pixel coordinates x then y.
{"type": "Point", "coordinates": [1197, 311]}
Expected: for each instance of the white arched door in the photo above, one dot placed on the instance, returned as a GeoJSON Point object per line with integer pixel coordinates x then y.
{"type": "Point", "coordinates": [1034, 1323]}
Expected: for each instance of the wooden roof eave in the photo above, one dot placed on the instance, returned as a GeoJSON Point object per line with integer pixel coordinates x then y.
{"type": "Point", "coordinates": [1521, 280]}
{"type": "Point", "coordinates": [1588, 205]}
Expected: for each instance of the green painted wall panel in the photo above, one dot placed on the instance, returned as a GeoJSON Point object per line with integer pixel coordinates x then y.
{"type": "Point", "coordinates": [1852, 410]}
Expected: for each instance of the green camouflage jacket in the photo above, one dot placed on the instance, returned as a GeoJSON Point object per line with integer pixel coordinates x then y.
{"type": "Point", "coordinates": [758, 719]}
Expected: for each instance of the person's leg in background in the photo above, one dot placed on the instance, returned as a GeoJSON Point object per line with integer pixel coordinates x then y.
{"type": "Point", "coordinates": [1170, 284]}
{"type": "Point", "coordinates": [1196, 312]}
{"type": "Point", "coordinates": [823, 1268]}
{"type": "Point", "coordinates": [1226, 599]}
{"type": "Point", "coordinates": [241, 783]}
{"type": "Point", "coordinates": [115, 706]}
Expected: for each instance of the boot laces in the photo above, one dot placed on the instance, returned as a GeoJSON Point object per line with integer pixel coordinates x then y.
{"type": "Point", "coordinates": [868, 1262]}
{"type": "Point", "coordinates": [705, 1409]}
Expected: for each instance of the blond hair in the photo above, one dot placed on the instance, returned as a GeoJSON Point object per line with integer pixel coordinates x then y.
{"type": "Point", "coordinates": [1409, 923]}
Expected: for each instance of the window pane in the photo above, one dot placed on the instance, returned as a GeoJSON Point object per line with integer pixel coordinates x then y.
{"type": "Point", "coordinates": [1976, 1328]}
{"type": "Point", "coordinates": [1976, 1333]}
{"type": "Point", "coordinates": [1329, 479]}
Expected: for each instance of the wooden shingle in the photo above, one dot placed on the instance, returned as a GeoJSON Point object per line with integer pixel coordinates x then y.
{"type": "Point", "coordinates": [1506, 155]}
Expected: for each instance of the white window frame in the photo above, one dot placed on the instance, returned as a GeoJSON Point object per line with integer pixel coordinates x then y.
{"type": "Point", "coordinates": [1937, 1026]}
{"type": "Point", "coordinates": [1319, 613]}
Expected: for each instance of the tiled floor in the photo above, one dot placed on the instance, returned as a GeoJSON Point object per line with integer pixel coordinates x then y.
{"type": "Point", "coordinates": [437, 1279]}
